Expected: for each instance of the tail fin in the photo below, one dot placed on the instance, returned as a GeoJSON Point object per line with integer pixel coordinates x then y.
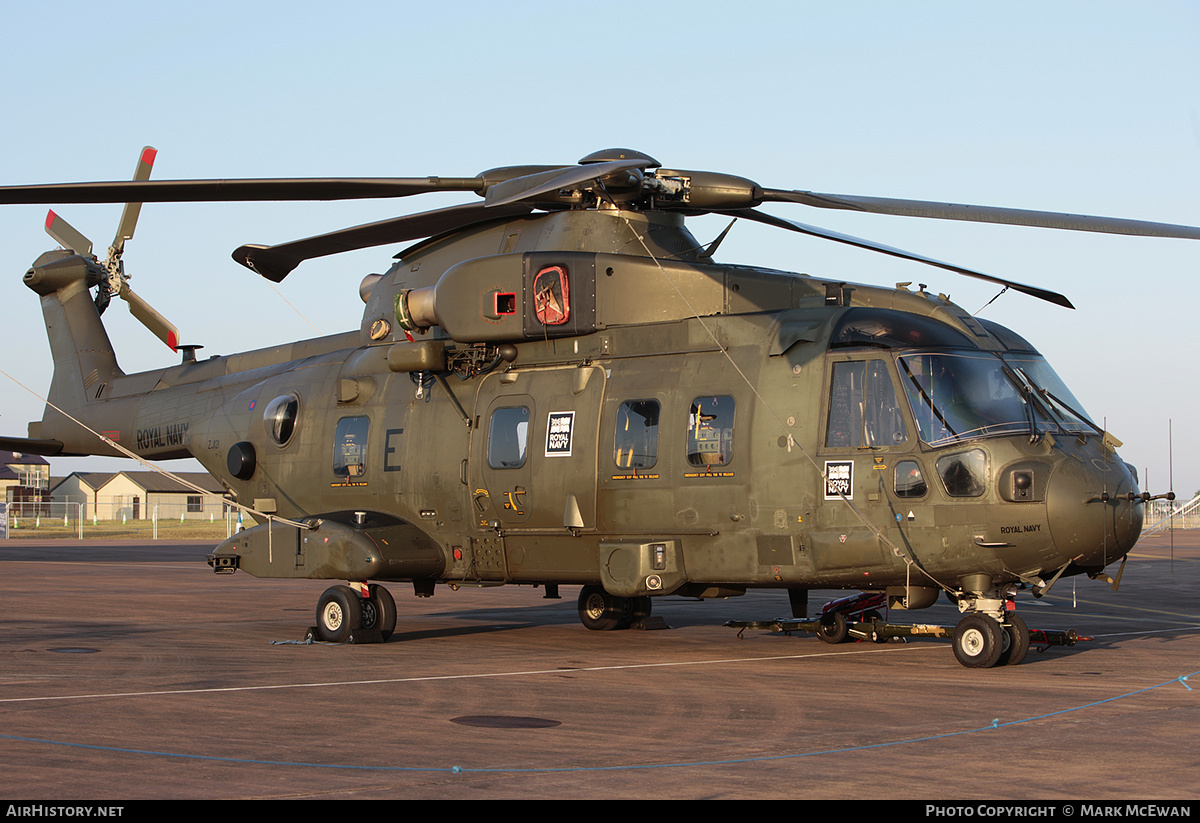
{"type": "Point", "coordinates": [84, 361]}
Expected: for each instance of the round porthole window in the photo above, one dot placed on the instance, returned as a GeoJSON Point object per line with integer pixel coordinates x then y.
{"type": "Point", "coordinates": [280, 418]}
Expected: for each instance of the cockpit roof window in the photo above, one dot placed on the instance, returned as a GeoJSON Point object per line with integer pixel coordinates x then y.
{"type": "Point", "coordinates": [1011, 340]}
{"type": "Point", "coordinates": [888, 329]}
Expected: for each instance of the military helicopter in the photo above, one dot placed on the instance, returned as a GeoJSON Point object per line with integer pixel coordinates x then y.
{"type": "Point", "coordinates": [558, 385]}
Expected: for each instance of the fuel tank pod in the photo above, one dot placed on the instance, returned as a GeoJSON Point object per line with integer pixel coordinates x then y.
{"type": "Point", "coordinates": [331, 550]}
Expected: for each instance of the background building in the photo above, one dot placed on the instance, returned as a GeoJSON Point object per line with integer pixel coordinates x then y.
{"type": "Point", "coordinates": [25, 479]}
{"type": "Point", "coordinates": [142, 495]}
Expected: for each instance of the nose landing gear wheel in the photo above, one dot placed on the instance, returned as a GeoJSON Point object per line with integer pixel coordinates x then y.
{"type": "Point", "coordinates": [637, 610]}
{"type": "Point", "coordinates": [978, 641]}
{"type": "Point", "coordinates": [379, 611]}
{"type": "Point", "coordinates": [339, 613]}
{"type": "Point", "coordinates": [601, 611]}
{"type": "Point", "coordinates": [1018, 641]}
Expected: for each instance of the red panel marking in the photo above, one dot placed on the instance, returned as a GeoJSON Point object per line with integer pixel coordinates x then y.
{"type": "Point", "coordinates": [551, 296]}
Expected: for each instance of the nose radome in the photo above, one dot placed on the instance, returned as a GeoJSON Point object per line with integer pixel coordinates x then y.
{"type": "Point", "coordinates": [1083, 523]}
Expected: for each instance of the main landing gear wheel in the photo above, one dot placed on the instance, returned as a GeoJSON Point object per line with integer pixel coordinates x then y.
{"type": "Point", "coordinates": [978, 641]}
{"type": "Point", "coordinates": [601, 611]}
{"type": "Point", "coordinates": [339, 613]}
{"type": "Point", "coordinates": [379, 611]}
{"type": "Point", "coordinates": [1018, 641]}
{"type": "Point", "coordinates": [637, 609]}
{"type": "Point", "coordinates": [832, 628]}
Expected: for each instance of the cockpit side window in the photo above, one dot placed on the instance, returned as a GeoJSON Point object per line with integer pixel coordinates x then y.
{"type": "Point", "coordinates": [863, 410]}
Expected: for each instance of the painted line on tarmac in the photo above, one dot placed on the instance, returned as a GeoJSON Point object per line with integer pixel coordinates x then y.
{"type": "Point", "coordinates": [996, 724]}
{"type": "Point", "coordinates": [1194, 627]}
{"type": "Point", "coordinates": [1164, 557]}
{"type": "Point", "coordinates": [169, 566]}
{"type": "Point", "coordinates": [1190, 618]}
{"type": "Point", "coordinates": [477, 676]}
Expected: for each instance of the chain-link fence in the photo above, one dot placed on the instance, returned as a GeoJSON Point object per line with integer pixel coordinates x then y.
{"type": "Point", "coordinates": [1171, 514]}
{"type": "Point", "coordinates": [118, 518]}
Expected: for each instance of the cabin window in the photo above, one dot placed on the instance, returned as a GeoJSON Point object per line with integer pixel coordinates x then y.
{"type": "Point", "coordinates": [350, 447]}
{"type": "Point", "coordinates": [964, 474]}
{"type": "Point", "coordinates": [279, 418]}
{"type": "Point", "coordinates": [909, 481]}
{"type": "Point", "coordinates": [637, 434]}
{"type": "Point", "coordinates": [863, 411]}
{"type": "Point", "coordinates": [710, 431]}
{"type": "Point", "coordinates": [507, 437]}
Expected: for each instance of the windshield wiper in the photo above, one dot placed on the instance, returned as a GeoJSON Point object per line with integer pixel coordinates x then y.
{"type": "Point", "coordinates": [929, 402]}
{"type": "Point", "coordinates": [1081, 417]}
{"type": "Point", "coordinates": [1026, 389]}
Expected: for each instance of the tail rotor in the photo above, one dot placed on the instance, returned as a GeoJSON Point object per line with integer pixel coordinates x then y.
{"type": "Point", "coordinates": [115, 281]}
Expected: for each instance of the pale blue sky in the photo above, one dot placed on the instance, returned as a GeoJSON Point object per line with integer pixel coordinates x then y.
{"type": "Point", "coordinates": [1072, 106]}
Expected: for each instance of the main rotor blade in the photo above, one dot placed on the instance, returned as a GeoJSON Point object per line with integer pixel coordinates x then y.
{"type": "Point", "coordinates": [188, 191]}
{"type": "Point", "coordinates": [67, 235]}
{"type": "Point", "coordinates": [534, 185]}
{"type": "Point", "coordinates": [982, 214]}
{"type": "Point", "coordinates": [772, 220]}
{"type": "Point", "coordinates": [129, 216]}
{"type": "Point", "coordinates": [276, 262]}
{"type": "Point", "coordinates": [162, 328]}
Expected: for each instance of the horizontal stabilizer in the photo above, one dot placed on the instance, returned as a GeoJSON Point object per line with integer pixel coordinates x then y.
{"type": "Point", "coordinates": [24, 444]}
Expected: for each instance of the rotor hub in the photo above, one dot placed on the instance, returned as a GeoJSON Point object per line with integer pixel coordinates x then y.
{"type": "Point", "coordinates": [609, 155]}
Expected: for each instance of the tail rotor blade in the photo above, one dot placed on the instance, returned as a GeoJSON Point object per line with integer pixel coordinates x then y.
{"type": "Point", "coordinates": [67, 235]}
{"type": "Point", "coordinates": [162, 328]}
{"type": "Point", "coordinates": [129, 216]}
